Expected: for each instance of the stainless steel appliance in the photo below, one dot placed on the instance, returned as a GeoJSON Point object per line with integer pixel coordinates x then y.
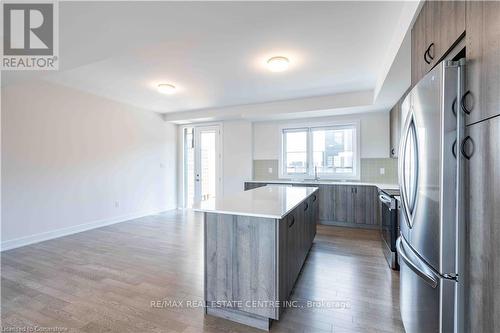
{"type": "Point", "coordinates": [430, 246]}
{"type": "Point", "coordinates": [389, 226]}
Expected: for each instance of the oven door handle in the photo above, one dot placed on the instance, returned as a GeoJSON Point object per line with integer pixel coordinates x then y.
{"type": "Point", "coordinates": [385, 199]}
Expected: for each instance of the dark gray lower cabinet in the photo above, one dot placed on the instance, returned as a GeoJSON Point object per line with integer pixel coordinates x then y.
{"type": "Point", "coordinates": [483, 226]}
{"type": "Point", "coordinates": [351, 206]}
{"type": "Point", "coordinates": [251, 186]}
{"type": "Point", "coordinates": [297, 231]}
{"type": "Point", "coordinates": [326, 203]}
{"type": "Point", "coordinates": [343, 205]}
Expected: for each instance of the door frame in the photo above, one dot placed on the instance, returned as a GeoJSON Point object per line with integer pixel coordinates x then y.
{"type": "Point", "coordinates": [182, 184]}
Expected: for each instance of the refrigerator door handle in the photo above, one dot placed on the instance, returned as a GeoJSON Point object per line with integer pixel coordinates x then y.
{"type": "Point", "coordinates": [404, 182]}
{"type": "Point", "coordinates": [402, 156]}
{"type": "Point", "coordinates": [460, 204]}
{"type": "Point", "coordinates": [420, 269]}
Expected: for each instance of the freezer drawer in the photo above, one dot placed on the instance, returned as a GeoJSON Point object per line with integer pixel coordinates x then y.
{"type": "Point", "coordinates": [427, 299]}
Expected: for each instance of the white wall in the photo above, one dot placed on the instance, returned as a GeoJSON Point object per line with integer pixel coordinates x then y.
{"type": "Point", "coordinates": [73, 161]}
{"type": "Point", "coordinates": [374, 134]}
{"type": "Point", "coordinates": [237, 155]}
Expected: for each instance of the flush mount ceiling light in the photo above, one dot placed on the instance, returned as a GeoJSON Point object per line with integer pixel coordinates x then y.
{"type": "Point", "coordinates": [278, 64]}
{"type": "Point", "coordinates": [166, 88]}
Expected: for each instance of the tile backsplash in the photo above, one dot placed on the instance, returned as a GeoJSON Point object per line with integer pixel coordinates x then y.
{"type": "Point", "coordinates": [265, 169]}
{"type": "Point", "coordinates": [370, 170]}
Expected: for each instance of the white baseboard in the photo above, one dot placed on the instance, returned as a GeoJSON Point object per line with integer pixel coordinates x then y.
{"type": "Point", "coordinates": [36, 238]}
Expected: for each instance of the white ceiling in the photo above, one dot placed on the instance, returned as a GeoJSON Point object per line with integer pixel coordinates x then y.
{"type": "Point", "coordinates": [215, 52]}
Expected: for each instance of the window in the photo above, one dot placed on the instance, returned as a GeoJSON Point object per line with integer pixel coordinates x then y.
{"type": "Point", "coordinates": [295, 148]}
{"type": "Point", "coordinates": [328, 152]}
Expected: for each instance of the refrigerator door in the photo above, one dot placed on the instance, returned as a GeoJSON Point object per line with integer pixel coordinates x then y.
{"type": "Point", "coordinates": [427, 168]}
{"type": "Point", "coordinates": [424, 294]}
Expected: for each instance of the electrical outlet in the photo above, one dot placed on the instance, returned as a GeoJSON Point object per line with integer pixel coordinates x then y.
{"type": "Point", "coordinates": [270, 170]}
{"type": "Point", "coordinates": [382, 171]}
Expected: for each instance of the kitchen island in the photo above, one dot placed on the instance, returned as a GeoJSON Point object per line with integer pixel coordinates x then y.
{"type": "Point", "coordinates": [255, 245]}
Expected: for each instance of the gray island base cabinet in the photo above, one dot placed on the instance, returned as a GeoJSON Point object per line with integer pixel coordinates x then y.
{"type": "Point", "coordinates": [252, 263]}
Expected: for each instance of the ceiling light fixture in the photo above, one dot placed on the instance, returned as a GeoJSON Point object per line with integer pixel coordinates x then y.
{"type": "Point", "coordinates": [166, 88]}
{"type": "Point", "coordinates": [278, 64]}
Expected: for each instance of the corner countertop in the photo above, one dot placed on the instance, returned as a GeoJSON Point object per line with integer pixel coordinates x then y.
{"type": "Point", "coordinates": [326, 182]}
{"type": "Point", "coordinates": [272, 201]}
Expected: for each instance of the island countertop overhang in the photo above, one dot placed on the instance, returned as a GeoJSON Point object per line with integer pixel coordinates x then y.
{"type": "Point", "coordinates": [272, 201]}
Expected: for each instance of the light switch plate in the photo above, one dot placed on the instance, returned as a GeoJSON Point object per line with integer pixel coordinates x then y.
{"type": "Point", "coordinates": [382, 171]}
{"type": "Point", "coordinates": [270, 170]}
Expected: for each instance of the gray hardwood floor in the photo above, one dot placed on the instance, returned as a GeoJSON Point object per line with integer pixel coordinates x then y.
{"type": "Point", "coordinates": [105, 280]}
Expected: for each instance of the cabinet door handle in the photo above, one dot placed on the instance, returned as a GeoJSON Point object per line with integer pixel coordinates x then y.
{"type": "Point", "coordinates": [293, 221]}
{"type": "Point", "coordinates": [306, 207]}
{"type": "Point", "coordinates": [464, 143]}
{"type": "Point", "coordinates": [392, 151]}
{"type": "Point", "coordinates": [429, 51]}
{"type": "Point", "coordinates": [454, 148]}
{"type": "Point", "coordinates": [428, 54]}
{"type": "Point", "coordinates": [314, 197]}
{"type": "Point", "coordinates": [425, 57]}
{"type": "Point", "coordinates": [462, 102]}
{"type": "Point", "coordinates": [454, 107]}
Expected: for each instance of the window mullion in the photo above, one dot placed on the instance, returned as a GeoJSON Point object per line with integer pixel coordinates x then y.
{"type": "Point", "coordinates": [309, 152]}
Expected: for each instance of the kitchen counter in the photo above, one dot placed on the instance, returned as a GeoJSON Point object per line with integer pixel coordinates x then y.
{"type": "Point", "coordinates": [350, 204]}
{"type": "Point", "coordinates": [272, 201]}
{"type": "Point", "coordinates": [327, 182]}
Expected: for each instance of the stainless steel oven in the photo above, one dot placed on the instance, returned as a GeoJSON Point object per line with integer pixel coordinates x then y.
{"type": "Point", "coordinates": [389, 226]}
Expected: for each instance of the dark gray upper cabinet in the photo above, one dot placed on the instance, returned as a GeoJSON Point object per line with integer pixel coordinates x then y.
{"type": "Point", "coordinates": [421, 39]}
{"type": "Point", "coordinates": [483, 226]}
{"type": "Point", "coordinates": [448, 19]}
{"type": "Point", "coordinates": [483, 60]}
{"type": "Point", "coordinates": [395, 129]}
{"type": "Point", "coordinates": [396, 123]}
{"type": "Point", "coordinates": [439, 25]}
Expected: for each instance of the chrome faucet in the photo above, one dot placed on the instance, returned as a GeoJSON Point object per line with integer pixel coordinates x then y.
{"type": "Point", "coordinates": [316, 178]}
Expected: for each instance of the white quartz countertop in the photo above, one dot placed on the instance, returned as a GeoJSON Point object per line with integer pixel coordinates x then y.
{"type": "Point", "coordinates": [272, 201]}
{"type": "Point", "coordinates": [327, 182]}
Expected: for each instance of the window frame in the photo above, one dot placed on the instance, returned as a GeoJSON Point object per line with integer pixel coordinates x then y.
{"type": "Point", "coordinates": [283, 159]}
{"type": "Point", "coordinates": [355, 175]}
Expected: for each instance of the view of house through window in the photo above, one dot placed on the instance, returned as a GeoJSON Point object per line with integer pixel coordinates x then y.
{"type": "Point", "coordinates": [333, 150]}
{"type": "Point", "coordinates": [329, 152]}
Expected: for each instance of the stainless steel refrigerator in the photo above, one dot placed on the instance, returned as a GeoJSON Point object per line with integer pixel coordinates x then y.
{"type": "Point", "coordinates": [430, 245]}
